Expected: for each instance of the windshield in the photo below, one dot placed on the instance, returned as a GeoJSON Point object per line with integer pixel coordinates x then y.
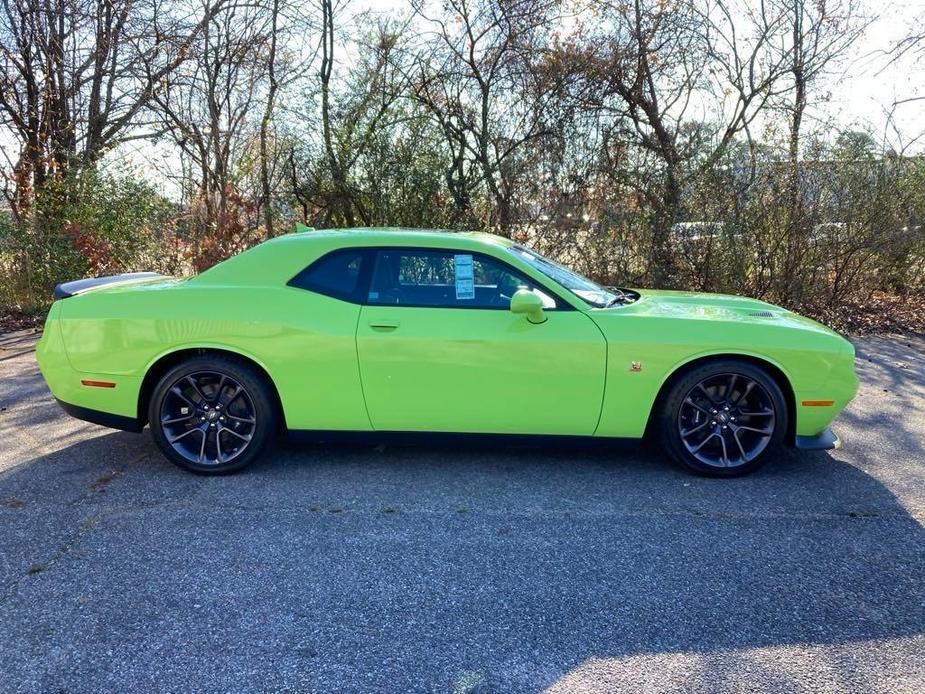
{"type": "Point", "coordinates": [590, 292]}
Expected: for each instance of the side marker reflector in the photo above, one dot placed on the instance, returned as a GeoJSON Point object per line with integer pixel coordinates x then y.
{"type": "Point", "coordinates": [818, 403]}
{"type": "Point", "coordinates": [98, 384]}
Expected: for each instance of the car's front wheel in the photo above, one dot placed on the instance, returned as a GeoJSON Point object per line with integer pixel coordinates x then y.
{"type": "Point", "coordinates": [724, 418]}
{"type": "Point", "coordinates": [212, 414]}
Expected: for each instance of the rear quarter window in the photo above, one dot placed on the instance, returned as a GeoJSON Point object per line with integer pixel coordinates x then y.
{"type": "Point", "coordinates": [337, 274]}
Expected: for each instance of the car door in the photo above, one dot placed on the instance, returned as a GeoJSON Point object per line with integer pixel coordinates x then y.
{"type": "Point", "coordinates": [439, 350]}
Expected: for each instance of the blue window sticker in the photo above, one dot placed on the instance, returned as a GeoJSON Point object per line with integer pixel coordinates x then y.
{"type": "Point", "coordinates": [465, 279]}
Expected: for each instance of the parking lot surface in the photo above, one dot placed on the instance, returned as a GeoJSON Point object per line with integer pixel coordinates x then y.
{"type": "Point", "coordinates": [360, 568]}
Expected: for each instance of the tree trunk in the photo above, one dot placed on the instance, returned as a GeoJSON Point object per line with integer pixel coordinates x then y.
{"type": "Point", "coordinates": [341, 200]}
{"type": "Point", "coordinates": [664, 268]}
{"type": "Point", "coordinates": [795, 235]}
{"type": "Point", "coordinates": [267, 193]}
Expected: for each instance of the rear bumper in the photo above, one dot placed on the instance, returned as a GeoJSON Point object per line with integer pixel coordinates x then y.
{"type": "Point", "coordinates": [113, 406]}
{"type": "Point", "coordinates": [825, 440]}
{"type": "Point", "coordinates": [106, 419]}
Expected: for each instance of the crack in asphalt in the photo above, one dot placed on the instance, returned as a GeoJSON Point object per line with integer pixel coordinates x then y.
{"type": "Point", "coordinates": [97, 486]}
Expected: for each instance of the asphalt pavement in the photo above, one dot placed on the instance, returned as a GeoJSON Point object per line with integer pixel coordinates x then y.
{"type": "Point", "coordinates": [400, 569]}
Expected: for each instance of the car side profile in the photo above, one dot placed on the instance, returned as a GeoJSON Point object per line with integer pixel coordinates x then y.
{"type": "Point", "coordinates": [387, 331]}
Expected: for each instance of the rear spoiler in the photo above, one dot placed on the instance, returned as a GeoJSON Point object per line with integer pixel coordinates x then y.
{"type": "Point", "coordinates": [66, 289]}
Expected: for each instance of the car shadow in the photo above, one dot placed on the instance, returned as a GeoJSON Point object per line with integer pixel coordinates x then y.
{"type": "Point", "coordinates": [399, 566]}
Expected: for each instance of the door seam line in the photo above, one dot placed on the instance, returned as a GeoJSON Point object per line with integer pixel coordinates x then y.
{"type": "Point", "coordinates": [600, 414]}
{"type": "Point", "coordinates": [356, 352]}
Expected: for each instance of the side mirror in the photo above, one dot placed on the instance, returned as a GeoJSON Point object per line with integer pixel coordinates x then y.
{"type": "Point", "coordinates": [529, 304]}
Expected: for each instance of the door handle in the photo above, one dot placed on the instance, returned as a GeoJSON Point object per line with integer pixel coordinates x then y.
{"type": "Point", "coordinates": [383, 323]}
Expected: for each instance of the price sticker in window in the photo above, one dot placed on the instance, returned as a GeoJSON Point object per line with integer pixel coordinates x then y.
{"type": "Point", "coordinates": [465, 278]}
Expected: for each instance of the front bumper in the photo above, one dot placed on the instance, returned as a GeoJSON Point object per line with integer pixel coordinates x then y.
{"type": "Point", "coordinates": [825, 440]}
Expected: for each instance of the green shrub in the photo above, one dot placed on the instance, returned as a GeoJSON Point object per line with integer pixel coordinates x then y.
{"type": "Point", "coordinates": [88, 224]}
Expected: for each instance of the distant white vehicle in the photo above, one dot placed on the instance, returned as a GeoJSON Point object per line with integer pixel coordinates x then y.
{"type": "Point", "coordinates": [696, 231]}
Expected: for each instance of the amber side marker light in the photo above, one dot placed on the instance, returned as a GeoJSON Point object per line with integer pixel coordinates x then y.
{"type": "Point", "coordinates": [98, 384]}
{"type": "Point", "coordinates": [818, 403]}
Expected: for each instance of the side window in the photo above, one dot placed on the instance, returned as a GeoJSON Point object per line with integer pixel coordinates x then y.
{"type": "Point", "coordinates": [336, 274]}
{"type": "Point", "coordinates": [414, 277]}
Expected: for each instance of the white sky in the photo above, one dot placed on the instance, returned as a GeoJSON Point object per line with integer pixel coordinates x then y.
{"type": "Point", "coordinates": [866, 87]}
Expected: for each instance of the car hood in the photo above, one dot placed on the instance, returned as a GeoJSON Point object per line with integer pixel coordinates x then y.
{"type": "Point", "coordinates": [713, 307]}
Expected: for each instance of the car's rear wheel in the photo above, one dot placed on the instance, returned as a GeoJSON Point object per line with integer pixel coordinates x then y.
{"type": "Point", "coordinates": [212, 414]}
{"type": "Point", "coordinates": [724, 418]}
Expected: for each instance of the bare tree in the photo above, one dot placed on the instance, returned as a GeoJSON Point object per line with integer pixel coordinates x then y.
{"type": "Point", "coordinates": [913, 43]}
{"type": "Point", "coordinates": [679, 82]}
{"type": "Point", "coordinates": [76, 74]}
{"type": "Point", "coordinates": [817, 37]}
{"type": "Point", "coordinates": [342, 199]}
{"type": "Point", "coordinates": [265, 181]}
{"type": "Point", "coordinates": [357, 103]}
{"type": "Point", "coordinates": [479, 75]}
{"type": "Point", "coordinates": [820, 33]}
{"type": "Point", "coordinates": [207, 107]}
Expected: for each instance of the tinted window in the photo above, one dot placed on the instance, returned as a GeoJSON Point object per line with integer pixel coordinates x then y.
{"type": "Point", "coordinates": [438, 278]}
{"type": "Point", "coordinates": [337, 274]}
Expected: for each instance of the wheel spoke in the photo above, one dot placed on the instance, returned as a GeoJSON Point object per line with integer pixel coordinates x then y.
{"type": "Point", "coordinates": [748, 389]}
{"type": "Point", "coordinates": [707, 393]}
{"type": "Point", "coordinates": [690, 401]}
{"type": "Point", "coordinates": [234, 433]}
{"type": "Point", "coordinates": [687, 432]}
{"type": "Point", "coordinates": [234, 395]}
{"type": "Point", "coordinates": [174, 420]}
{"type": "Point", "coordinates": [730, 388]}
{"type": "Point", "coordinates": [202, 447]}
{"type": "Point", "coordinates": [246, 420]}
{"type": "Point", "coordinates": [218, 389]}
{"type": "Point", "coordinates": [192, 382]}
{"type": "Point", "coordinates": [735, 436]}
{"type": "Point", "coordinates": [218, 446]}
{"type": "Point", "coordinates": [179, 393]}
{"type": "Point", "coordinates": [703, 443]}
{"type": "Point", "coordinates": [183, 435]}
{"type": "Point", "coordinates": [722, 440]}
{"type": "Point", "coordinates": [763, 413]}
{"type": "Point", "coordinates": [766, 432]}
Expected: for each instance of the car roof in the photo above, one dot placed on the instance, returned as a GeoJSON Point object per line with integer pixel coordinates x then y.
{"type": "Point", "coordinates": [386, 236]}
{"type": "Point", "coordinates": [280, 258]}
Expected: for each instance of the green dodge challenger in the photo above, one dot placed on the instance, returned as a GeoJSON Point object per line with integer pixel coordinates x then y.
{"type": "Point", "coordinates": [389, 332]}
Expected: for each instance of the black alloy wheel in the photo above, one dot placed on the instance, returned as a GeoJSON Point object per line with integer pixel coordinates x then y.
{"type": "Point", "coordinates": [724, 418]}
{"type": "Point", "coordinates": [212, 414]}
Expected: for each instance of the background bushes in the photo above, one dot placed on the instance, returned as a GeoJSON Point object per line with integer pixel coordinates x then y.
{"type": "Point", "coordinates": [566, 126]}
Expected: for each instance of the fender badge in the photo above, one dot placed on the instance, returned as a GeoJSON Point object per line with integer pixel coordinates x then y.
{"type": "Point", "coordinates": [635, 366]}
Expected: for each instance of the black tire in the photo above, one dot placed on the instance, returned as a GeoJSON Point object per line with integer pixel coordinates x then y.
{"type": "Point", "coordinates": [205, 383]}
{"type": "Point", "coordinates": [695, 401]}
